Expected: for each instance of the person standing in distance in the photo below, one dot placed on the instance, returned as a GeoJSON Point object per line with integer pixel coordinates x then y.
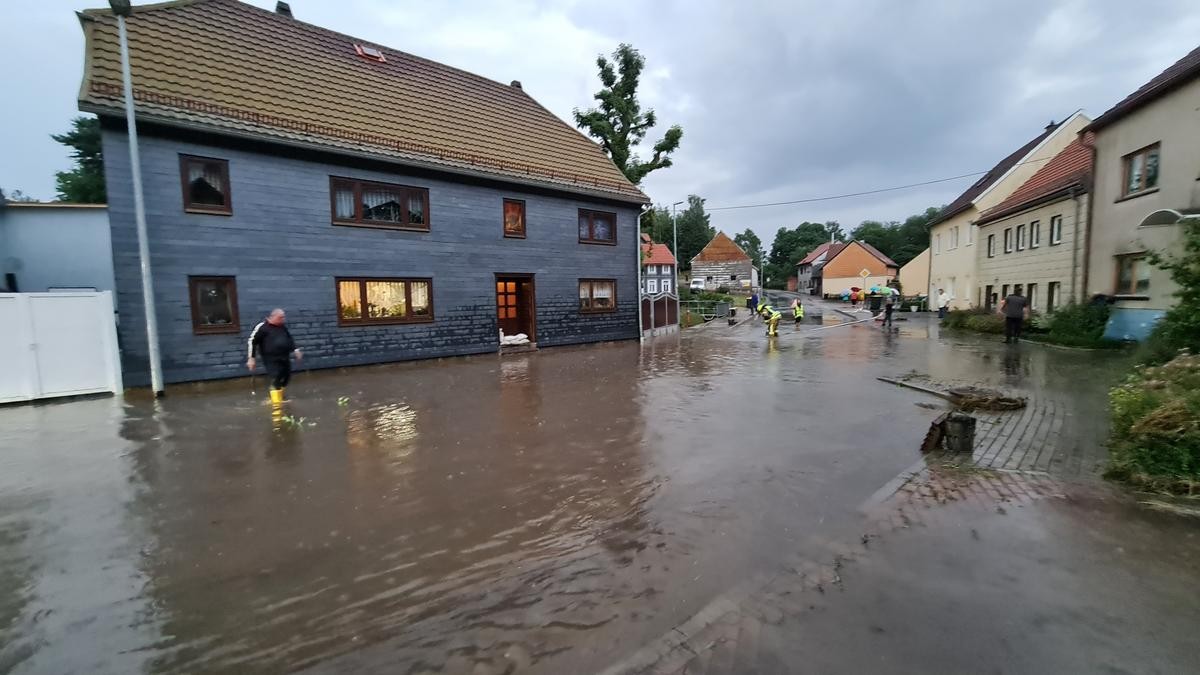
{"type": "Point", "coordinates": [272, 340]}
{"type": "Point", "coordinates": [1015, 309]}
{"type": "Point", "coordinates": [943, 303]}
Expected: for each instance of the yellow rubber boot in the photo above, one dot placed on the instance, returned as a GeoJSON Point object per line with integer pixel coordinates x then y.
{"type": "Point", "coordinates": [277, 396]}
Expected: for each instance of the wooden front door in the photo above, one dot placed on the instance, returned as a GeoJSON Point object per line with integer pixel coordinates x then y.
{"type": "Point", "coordinates": [515, 309]}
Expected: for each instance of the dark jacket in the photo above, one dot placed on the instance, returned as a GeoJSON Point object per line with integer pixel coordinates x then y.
{"type": "Point", "coordinates": [271, 341]}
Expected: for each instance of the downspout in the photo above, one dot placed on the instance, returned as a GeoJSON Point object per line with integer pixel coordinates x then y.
{"type": "Point", "coordinates": [637, 254]}
{"type": "Point", "coordinates": [1075, 245]}
{"type": "Point", "coordinates": [1091, 209]}
{"type": "Point", "coordinates": [929, 273]}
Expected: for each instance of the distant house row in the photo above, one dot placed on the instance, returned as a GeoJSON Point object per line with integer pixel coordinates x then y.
{"type": "Point", "coordinates": [835, 267]}
{"type": "Point", "coordinates": [1072, 214]}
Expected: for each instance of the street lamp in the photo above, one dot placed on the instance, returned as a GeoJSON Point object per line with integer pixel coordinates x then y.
{"type": "Point", "coordinates": [675, 253]}
{"type": "Point", "coordinates": [122, 9]}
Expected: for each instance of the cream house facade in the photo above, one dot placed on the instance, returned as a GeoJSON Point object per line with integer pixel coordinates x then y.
{"type": "Point", "coordinates": [1032, 243]}
{"type": "Point", "coordinates": [1147, 189]}
{"type": "Point", "coordinates": [953, 236]}
{"type": "Point", "coordinates": [914, 276]}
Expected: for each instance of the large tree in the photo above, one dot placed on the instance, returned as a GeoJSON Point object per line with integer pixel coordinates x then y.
{"type": "Point", "coordinates": [789, 247]}
{"type": "Point", "coordinates": [899, 241]}
{"type": "Point", "coordinates": [84, 183]}
{"type": "Point", "coordinates": [752, 245]}
{"type": "Point", "coordinates": [694, 231]}
{"type": "Point", "coordinates": [619, 123]}
{"type": "Point", "coordinates": [657, 223]}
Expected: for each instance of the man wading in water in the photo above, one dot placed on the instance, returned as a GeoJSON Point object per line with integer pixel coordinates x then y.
{"type": "Point", "coordinates": [274, 343]}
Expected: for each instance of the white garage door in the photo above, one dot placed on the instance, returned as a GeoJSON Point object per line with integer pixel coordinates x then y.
{"type": "Point", "coordinates": [59, 344]}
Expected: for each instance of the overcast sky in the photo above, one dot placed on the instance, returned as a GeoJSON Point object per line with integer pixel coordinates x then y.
{"type": "Point", "coordinates": [778, 100]}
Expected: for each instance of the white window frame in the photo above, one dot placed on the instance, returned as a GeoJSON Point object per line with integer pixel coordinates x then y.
{"type": "Point", "coordinates": [954, 237]}
{"type": "Point", "coordinates": [1055, 230]}
{"type": "Point", "coordinates": [937, 244]}
{"type": "Point", "coordinates": [652, 285]}
{"type": "Point", "coordinates": [666, 285]}
{"type": "Point", "coordinates": [1008, 240]}
{"type": "Point", "coordinates": [1035, 233]}
{"type": "Point", "coordinates": [991, 245]}
{"type": "Point", "coordinates": [1021, 234]}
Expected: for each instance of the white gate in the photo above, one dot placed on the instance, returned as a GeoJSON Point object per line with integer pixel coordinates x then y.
{"type": "Point", "coordinates": [57, 344]}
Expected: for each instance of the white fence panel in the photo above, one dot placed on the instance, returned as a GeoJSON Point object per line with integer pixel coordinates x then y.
{"type": "Point", "coordinates": [58, 344]}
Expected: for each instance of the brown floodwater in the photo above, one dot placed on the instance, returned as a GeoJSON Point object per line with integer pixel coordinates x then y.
{"type": "Point", "coordinates": [547, 512]}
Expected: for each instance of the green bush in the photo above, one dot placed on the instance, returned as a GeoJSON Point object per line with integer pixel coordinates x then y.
{"type": "Point", "coordinates": [978, 320]}
{"type": "Point", "coordinates": [1074, 325]}
{"type": "Point", "coordinates": [1180, 327]}
{"type": "Point", "coordinates": [1155, 438]}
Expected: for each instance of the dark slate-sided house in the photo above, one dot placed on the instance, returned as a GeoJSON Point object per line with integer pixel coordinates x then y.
{"type": "Point", "coordinates": [397, 208]}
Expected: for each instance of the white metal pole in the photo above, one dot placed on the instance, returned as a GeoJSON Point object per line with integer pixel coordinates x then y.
{"type": "Point", "coordinates": [139, 214]}
{"type": "Point", "coordinates": [675, 268]}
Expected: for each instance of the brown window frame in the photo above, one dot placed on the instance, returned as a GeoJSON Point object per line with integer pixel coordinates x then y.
{"type": "Point", "coordinates": [209, 209]}
{"type": "Point", "coordinates": [358, 221]}
{"type": "Point", "coordinates": [1127, 164]}
{"type": "Point", "coordinates": [504, 224]}
{"type": "Point", "coordinates": [592, 227]}
{"type": "Point", "coordinates": [591, 296]}
{"type": "Point", "coordinates": [362, 301]}
{"type": "Point", "coordinates": [235, 326]}
{"type": "Point", "coordinates": [1131, 292]}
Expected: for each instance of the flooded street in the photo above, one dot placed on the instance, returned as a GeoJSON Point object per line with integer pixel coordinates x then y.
{"type": "Point", "coordinates": [546, 513]}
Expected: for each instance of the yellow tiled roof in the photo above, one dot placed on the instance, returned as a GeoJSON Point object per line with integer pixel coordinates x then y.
{"type": "Point", "coordinates": [234, 68]}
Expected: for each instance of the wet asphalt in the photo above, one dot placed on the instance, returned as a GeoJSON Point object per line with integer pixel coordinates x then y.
{"type": "Point", "coordinates": [545, 513]}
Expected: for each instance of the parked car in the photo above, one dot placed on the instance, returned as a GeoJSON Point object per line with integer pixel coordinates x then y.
{"type": "Point", "coordinates": [696, 285]}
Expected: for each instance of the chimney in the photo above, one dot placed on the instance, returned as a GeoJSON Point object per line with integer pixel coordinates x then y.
{"type": "Point", "coordinates": [283, 9]}
{"type": "Point", "coordinates": [1051, 126]}
{"type": "Point", "coordinates": [516, 84]}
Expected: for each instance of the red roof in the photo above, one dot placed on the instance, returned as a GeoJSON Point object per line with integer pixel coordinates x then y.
{"type": "Point", "coordinates": [656, 254]}
{"type": "Point", "coordinates": [721, 249]}
{"type": "Point", "coordinates": [1183, 71]}
{"type": "Point", "coordinates": [1070, 168]}
{"type": "Point", "coordinates": [815, 253]}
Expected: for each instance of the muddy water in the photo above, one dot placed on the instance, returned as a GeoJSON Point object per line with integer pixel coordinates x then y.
{"type": "Point", "coordinates": [544, 513]}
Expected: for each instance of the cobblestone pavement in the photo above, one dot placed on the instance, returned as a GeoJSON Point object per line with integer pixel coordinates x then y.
{"type": "Point", "coordinates": [938, 543]}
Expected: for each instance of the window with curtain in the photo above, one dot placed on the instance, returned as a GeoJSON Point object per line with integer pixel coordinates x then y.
{"type": "Point", "coordinates": [371, 204]}
{"type": "Point", "coordinates": [1141, 170]}
{"type": "Point", "coordinates": [1133, 275]}
{"type": "Point", "coordinates": [375, 301]}
{"type": "Point", "coordinates": [597, 227]}
{"type": "Point", "coordinates": [214, 304]}
{"type": "Point", "coordinates": [205, 184]}
{"type": "Point", "coordinates": [597, 295]}
{"type": "Point", "coordinates": [514, 218]}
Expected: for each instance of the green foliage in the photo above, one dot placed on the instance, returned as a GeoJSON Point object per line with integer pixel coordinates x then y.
{"type": "Point", "coordinates": [619, 122]}
{"type": "Point", "coordinates": [1075, 325]}
{"type": "Point", "coordinates": [694, 231]}
{"type": "Point", "coordinates": [752, 245]}
{"type": "Point", "coordinates": [1155, 437]}
{"type": "Point", "coordinates": [1180, 326]}
{"type": "Point", "coordinates": [899, 241]}
{"type": "Point", "coordinates": [789, 248]}
{"type": "Point", "coordinates": [657, 223]}
{"type": "Point", "coordinates": [978, 320]}
{"type": "Point", "coordinates": [83, 184]}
